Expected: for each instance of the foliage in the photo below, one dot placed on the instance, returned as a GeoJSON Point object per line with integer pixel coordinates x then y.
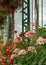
{"type": "Point", "coordinates": [27, 53]}
{"type": "Point", "coordinates": [41, 32]}
{"type": "Point", "coordinates": [3, 17]}
{"type": "Point", "coordinates": [10, 5]}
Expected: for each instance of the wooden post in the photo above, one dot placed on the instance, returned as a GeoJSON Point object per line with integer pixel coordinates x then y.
{"type": "Point", "coordinates": [37, 14]}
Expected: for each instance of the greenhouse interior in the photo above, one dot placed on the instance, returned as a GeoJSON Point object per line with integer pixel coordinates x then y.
{"type": "Point", "coordinates": [22, 32]}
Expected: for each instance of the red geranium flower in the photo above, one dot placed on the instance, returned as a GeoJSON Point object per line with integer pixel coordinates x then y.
{"type": "Point", "coordinates": [11, 61]}
{"type": "Point", "coordinates": [15, 31]}
{"type": "Point", "coordinates": [9, 47]}
{"type": "Point", "coordinates": [4, 60]}
{"type": "Point", "coordinates": [20, 34]}
{"type": "Point", "coordinates": [8, 52]}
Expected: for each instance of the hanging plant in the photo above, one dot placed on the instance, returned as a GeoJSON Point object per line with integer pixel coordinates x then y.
{"type": "Point", "coordinates": [10, 4]}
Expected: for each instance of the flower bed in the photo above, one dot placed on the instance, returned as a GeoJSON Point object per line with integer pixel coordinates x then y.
{"type": "Point", "coordinates": [24, 52]}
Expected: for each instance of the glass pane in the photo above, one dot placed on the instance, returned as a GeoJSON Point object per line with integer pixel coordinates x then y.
{"type": "Point", "coordinates": [44, 11]}
{"type": "Point", "coordinates": [18, 21]}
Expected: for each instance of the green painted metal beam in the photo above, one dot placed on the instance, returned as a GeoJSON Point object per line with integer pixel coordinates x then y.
{"type": "Point", "coordinates": [25, 16]}
{"type": "Point", "coordinates": [10, 27]}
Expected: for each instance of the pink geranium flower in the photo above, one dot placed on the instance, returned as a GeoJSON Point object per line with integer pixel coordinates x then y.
{"type": "Point", "coordinates": [32, 49]}
{"type": "Point", "coordinates": [14, 56]}
{"type": "Point", "coordinates": [22, 52]}
{"type": "Point", "coordinates": [17, 41]}
{"type": "Point", "coordinates": [40, 41]}
{"type": "Point", "coordinates": [30, 34]}
{"type": "Point", "coordinates": [16, 50]}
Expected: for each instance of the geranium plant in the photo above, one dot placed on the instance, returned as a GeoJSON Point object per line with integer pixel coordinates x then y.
{"type": "Point", "coordinates": [26, 53]}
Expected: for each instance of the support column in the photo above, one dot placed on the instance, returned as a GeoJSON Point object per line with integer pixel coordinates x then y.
{"type": "Point", "coordinates": [9, 27]}
{"type": "Point", "coordinates": [25, 16]}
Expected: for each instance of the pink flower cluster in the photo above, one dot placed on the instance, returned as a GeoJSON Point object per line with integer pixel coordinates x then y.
{"type": "Point", "coordinates": [41, 41]}
{"type": "Point", "coordinates": [30, 34]}
{"type": "Point", "coordinates": [32, 49]}
{"type": "Point", "coordinates": [19, 52]}
{"type": "Point", "coordinates": [13, 56]}
{"type": "Point", "coordinates": [16, 50]}
{"type": "Point", "coordinates": [22, 52]}
{"type": "Point", "coordinates": [17, 41]}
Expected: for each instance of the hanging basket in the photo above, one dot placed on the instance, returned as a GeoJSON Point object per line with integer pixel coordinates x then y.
{"type": "Point", "coordinates": [10, 4]}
